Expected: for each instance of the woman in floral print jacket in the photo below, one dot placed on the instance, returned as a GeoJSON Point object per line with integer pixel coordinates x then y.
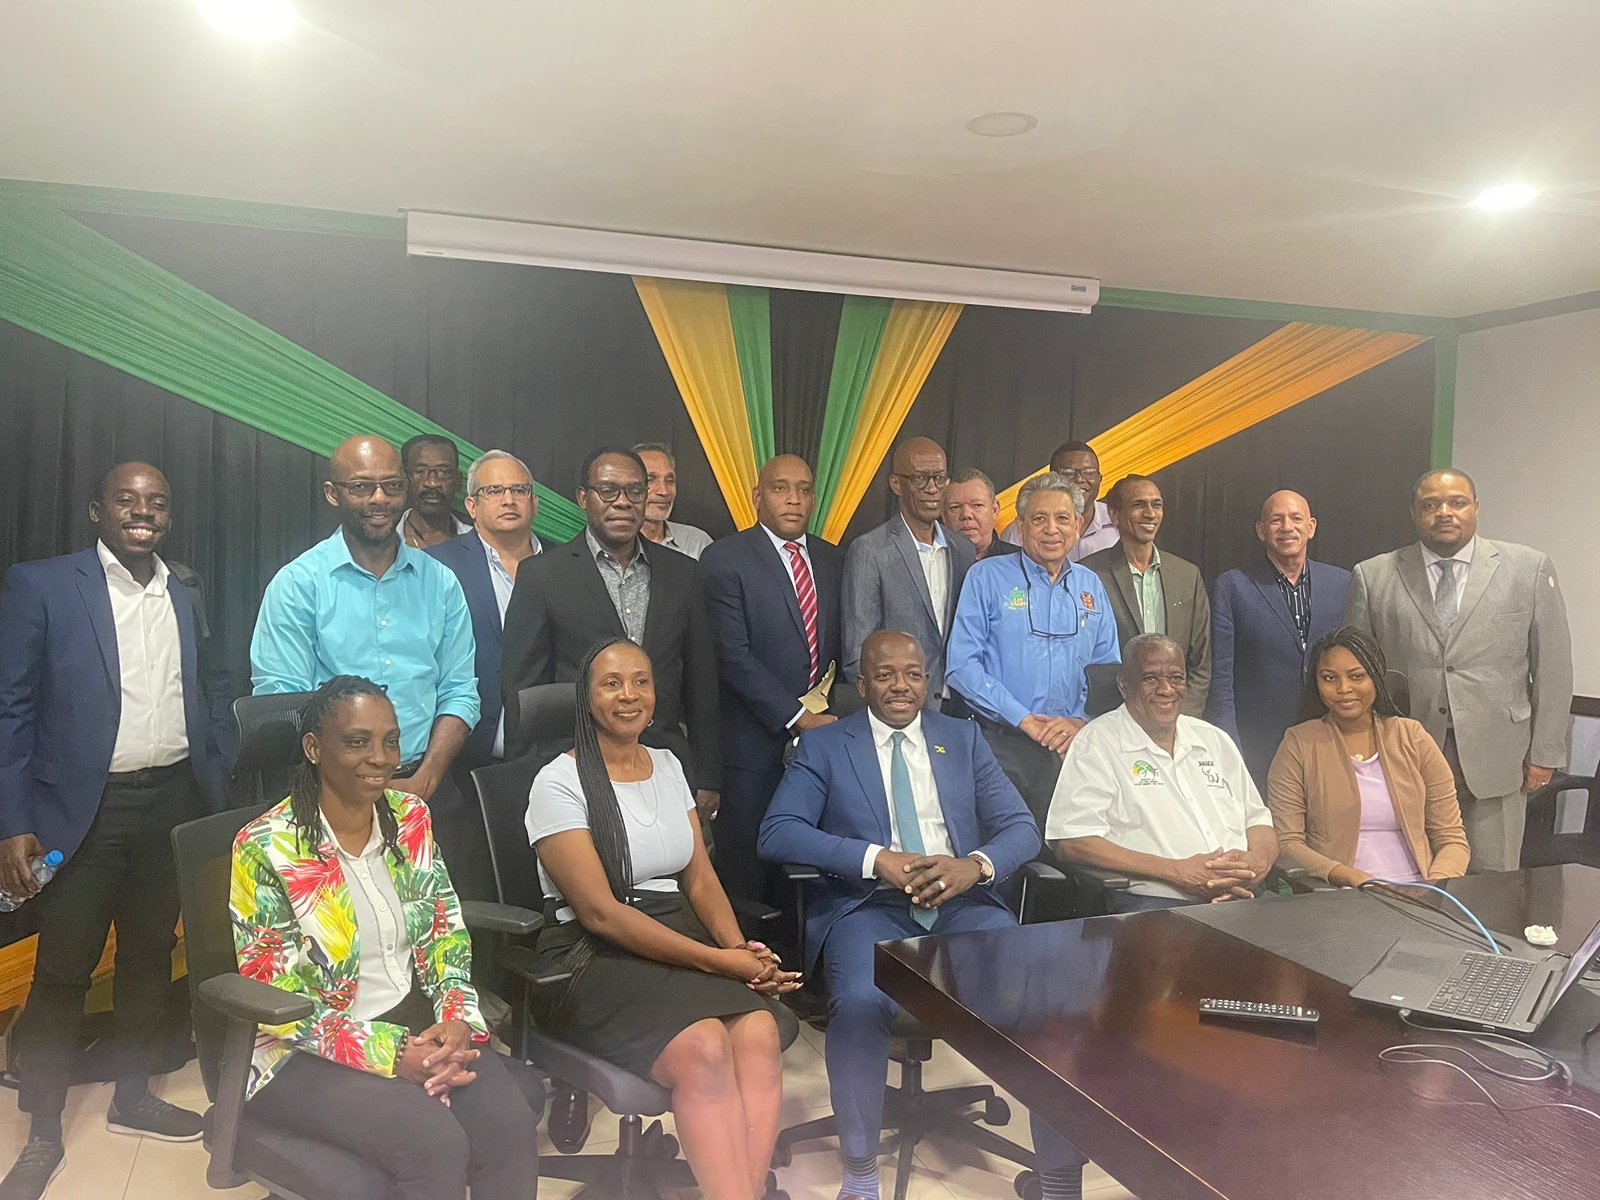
{"type": "Point", "coordinates": [339, 895]}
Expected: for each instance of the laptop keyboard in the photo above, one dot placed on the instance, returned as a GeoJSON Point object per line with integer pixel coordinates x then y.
{"type": "Point", "coordinates": [1483, 987]}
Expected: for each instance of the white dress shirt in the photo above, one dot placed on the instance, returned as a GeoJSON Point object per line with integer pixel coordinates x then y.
{"type": "Point", "coordinates": [924, 791]}
{"type": "Point", "coordinates": [1102, 532]}
{"type": "Point", "coordinates": [1431, 561]}
{"type": "Point", "coordinates": [1116, 783]}
{"type": "Point", "coordinates": [935, 561]}
{"type": "Point", "coordinates": [153, 731]}
{"type": "Point", "coordinates": [384, 978]}
{"type": "Point", "coordinates": [503, 583]}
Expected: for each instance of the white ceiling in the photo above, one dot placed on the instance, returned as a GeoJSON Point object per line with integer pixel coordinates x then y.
{"type": "Point", "coordinates": [1310, 151]}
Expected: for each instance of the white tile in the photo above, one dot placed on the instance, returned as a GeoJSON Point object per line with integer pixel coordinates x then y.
{"type": "Point", "coordinates": [98, 1162]}
{"type": "Point", "coordinates": [176, 1171]}
{"type": "Point", "coordinates": [183, 1087]}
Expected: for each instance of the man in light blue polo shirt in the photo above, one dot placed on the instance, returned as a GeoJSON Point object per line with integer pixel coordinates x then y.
{"type": "Point", "coordinates": [364, 603]}
{"type": "Point", "coordinates": [1025, 628]}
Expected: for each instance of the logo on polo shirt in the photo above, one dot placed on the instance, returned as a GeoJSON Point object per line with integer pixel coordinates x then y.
{"type": "Point", "coordinates": [1145, 775]}
{"type": "Point", "coordinates": [1213, 777]}
{"type": "Point", "coordinates": [1017, 599]}
{"type": "Point", "coordinates": [1088, 601]}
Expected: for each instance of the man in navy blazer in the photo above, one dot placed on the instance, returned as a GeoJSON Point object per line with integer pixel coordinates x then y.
{"type": "Point", "coordinates": [913, 823]}
{"type": "Point", "coordinates": [1264, 619]}
{"type": "Point", "coordinates": [772, 593]}
{"type": "Point", "coordinates": [114, 727]}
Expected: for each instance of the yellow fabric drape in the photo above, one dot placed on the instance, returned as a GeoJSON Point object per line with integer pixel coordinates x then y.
{"type": "Point", "coordinates": [912, 339]}
{"type": "Point", "coordinates": [692, 324]}
{"type": "Point", "coordinates": [1282, 369]}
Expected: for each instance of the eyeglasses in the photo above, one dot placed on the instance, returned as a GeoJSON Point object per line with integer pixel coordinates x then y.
{"type": "Point", "coordinates": [493, 491]}
{"type": "Point", "coordinates": [428, 474]}
{"type": "Point", "coordinates": [637, 493]}
{"type": "Point", "coordinates": [922, 480]}
{"type": "Point", "coordinates": [1080, 472]}
{"type": "Point", "coordinates": [1077, 610]}
{"type": "Point", "coordinates": [362, 489]}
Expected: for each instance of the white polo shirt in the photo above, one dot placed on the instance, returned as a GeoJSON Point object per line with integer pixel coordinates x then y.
{"type": "Point", "coordinates": [1116, 783]}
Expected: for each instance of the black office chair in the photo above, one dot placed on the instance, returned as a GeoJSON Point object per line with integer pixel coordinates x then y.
{"type": "Point", "coordinates": [269, 746]}
{"type": "Point", "coordinates": [646, 1160]}
{"type": "Point", "coordinates": [1544, 844]}
{"type": "Point", "coordinates": [227, 1008]}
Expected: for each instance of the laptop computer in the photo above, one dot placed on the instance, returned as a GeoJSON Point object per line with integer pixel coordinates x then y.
{"type": "Point", "coordinates": [1472, 987]}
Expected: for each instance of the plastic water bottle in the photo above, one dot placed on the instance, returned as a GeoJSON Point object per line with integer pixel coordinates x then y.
{"type": "Point", "coordinates": [44, 870]}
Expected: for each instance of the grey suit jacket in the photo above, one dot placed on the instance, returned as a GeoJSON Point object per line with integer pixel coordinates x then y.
{"type": "Point", "coordinates": [1503, 673]}
{"type": "Point", "coordinates": [884, 588]}
{"type": "Point", "coordinates": [1188, 607]}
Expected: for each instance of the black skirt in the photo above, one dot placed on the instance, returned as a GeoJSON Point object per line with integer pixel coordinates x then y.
{"type": "Point", "coordinates": [625, 1009]}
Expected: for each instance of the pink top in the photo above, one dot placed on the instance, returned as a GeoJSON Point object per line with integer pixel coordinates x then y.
{"type": "Point", "coordinates": [1381, 850]}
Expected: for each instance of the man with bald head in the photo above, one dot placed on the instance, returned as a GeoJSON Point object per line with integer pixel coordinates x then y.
{"type": "Point", "coordinates": [1265, 617]}
{"type": "Point", "coordinates": [907, 573]}
{"type": "Point", "coordinates": [362, 602]}
{"type": "Point", "coordinates": [114, 728]}
{"type": "Point", "coordinates": [773, 595]}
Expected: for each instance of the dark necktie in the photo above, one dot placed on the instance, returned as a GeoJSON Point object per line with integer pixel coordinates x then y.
{"type": "Point", "coordinates": [1444, 600]}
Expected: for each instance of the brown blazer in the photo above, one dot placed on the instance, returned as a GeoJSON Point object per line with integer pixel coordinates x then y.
{"type": "Point", "coordinates": [1316, 802]}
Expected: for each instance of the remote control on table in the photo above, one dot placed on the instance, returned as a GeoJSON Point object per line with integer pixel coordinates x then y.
{"type": "Point", "coordinates": [1248, 1010]}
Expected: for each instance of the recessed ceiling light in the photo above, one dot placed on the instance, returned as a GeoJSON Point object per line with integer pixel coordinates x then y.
{"type": "Point", "coordinates": [251, 20]}
{"type": "Point", "coordinates": [1001, 124]}
{"type": "Point", "coordinates": [1506, 195]}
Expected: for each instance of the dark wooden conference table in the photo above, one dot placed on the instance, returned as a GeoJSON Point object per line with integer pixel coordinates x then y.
{"type": "Point", "coordinates": [1093, 1025]}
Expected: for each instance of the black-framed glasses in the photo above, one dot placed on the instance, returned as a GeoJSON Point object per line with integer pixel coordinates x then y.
{"type": "Point", "coordinates": [923, 480]}
{"type": "Point", "coordinates": [609, 493]}
{"type": "Point", "coordinates": [362, 489]}
{"type": "Point", "coordinates": [1077, 609]}
{"type": "Point", "coordinates": [493, 491]}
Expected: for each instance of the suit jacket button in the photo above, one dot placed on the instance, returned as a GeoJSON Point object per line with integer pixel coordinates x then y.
{"type": "Point", "coordinates": [1447, 670]}
{"type": "Point", "coordinates": [1443, 712]}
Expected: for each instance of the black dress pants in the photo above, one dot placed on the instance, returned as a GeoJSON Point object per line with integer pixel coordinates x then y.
{"type": "Point", "coordinates": [746, 794]}
{"type": "Point", "coordinates": [122, 872]}
{"type": "Point", "coordinates": [1030, 767]}
{"type": "Point", "coordinates": [487, 1138]}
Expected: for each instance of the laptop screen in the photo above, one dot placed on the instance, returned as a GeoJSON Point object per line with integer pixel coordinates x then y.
{"type": "Point", "coordinates": [1579, 964]}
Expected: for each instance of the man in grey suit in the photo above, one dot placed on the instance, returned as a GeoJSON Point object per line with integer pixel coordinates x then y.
{"type": "Point", "coordinates": [907, 573]}
{"type": "Point", "coordinates": [1152, 592]}
{"type": "Point", "coordinates": [1480, 630]}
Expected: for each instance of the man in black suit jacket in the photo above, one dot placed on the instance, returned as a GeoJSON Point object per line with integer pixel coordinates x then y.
{"type": "Point", "coordinates": [610, 582]}
{"type": "Point", "coordinates": [773, 593]}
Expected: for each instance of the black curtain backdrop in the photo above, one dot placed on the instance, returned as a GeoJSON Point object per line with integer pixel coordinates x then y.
{"type": "Point", "coordinates": [548, 363]}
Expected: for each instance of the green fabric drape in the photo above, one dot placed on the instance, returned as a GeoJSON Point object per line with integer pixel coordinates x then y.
{"type": "Point", "coordinates": [68, 283]}
{"type": "Point", "coordinates": [752, 339]}
{"type": "Point", "coordinates": [861, 323]}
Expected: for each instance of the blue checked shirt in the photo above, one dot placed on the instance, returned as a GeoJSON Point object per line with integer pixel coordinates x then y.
{"type": "Point", "coordinates": [322, 616]}
{"type": "Point", "coordinates": [1002, 667]}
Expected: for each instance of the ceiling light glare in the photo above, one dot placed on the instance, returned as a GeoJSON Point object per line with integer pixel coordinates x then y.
{"type": "Point", "coordinates": [1001, 124]}
{"type": "Point", "coordinates": [1506, 195]}
{"type": "Point", "coordinates": [251, 20]}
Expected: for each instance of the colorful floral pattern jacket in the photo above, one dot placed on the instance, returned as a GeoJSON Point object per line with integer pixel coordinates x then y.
{"type": "Point", "coordinates": [294, 928]}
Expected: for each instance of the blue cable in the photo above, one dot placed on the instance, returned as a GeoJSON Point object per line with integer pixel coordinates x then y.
{"type": "Point", "coordinates": [1487, 936]}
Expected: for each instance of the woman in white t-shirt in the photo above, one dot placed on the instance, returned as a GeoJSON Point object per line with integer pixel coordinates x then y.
{"type": "Point", "coordinates": [664, 983]}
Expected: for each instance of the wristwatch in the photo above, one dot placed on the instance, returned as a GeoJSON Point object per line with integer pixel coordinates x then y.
{"type": "Point", "coordinates": [985, 867]}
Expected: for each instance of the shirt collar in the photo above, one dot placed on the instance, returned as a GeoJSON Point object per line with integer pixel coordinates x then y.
{"type": "Point", "coordinates": [1100, 520]}
{"type": "Point", "coordinates": [1039, 574]}
{"type": "Point", "coordinates": [157, 585]}
{"type": "Point", "coordinates": [1155, 562]}
{"type": "Point", "coordinates": [881, 733]}
{"type": "Point", "coordinates": [374, 841]}
{"type": "Point", "coordinates": [641, 545]}
{"type": "Point", "coordinates": [938, 534]}
{"type": "Point", "coordinates": [494, 555]}
{"type": "Point", "coordinates": [1134, 737]}
{"type": "Point", "coordinates": [780, 542]}
{"type": "Point", "coordinates": [405, 560]}
{"type": "Point", "coordinates": [1463, 555]}
{"type": "Point", "coordinates": [460, 525]}
{"type": "Point", "coordinates": [1305, 574]}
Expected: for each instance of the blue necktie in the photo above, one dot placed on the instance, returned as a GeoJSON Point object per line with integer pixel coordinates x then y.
{"type": "Point", "coordinates": [905, 816]}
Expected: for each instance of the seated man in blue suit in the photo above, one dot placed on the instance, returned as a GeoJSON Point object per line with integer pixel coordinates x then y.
{"type": "Point", "coordinates": [913, 823]}
{"type": "Point", "coordinates": [114, 727]}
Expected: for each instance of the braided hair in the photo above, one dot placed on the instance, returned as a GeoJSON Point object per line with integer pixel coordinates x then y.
{"type": "Point", "coordinates": [606, 826]}
{"type": "Point", "coordinates": [305, 793]}
{"type": "Point", "coordinates": [1364, 647]}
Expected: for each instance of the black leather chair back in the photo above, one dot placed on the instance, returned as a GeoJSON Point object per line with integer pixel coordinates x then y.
{"type": "Point", "coordinates": [503, 798]}
{"type": "Point", "coordinates": [546, 714]}
{"type": "Point", "coordinates": [1399, 690]}
{"type": "Point", "coordinates": [204, 858]}
{"type": "Point", "coordinates": [1543, 844]}
{"type": "Point", "coordinates": [269, 746]}
{"type": "Point", "coordinates": [844, 700]}
{"type": "Point", "coordinates": [1104, 695]}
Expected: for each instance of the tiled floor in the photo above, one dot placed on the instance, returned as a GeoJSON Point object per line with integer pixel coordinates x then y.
{"type": "Point", "coordinates": [104, 1166]}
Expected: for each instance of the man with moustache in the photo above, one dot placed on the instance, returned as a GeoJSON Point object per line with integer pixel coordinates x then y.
{"type": "Point", "coordinates": [1080, 464]}
{"type": "Point", "coordinates": [114, 728]}
{"type": "Point", "coordinates": [1159, 796]}
{"type": "Point", "coordinates": [773, 595]}
{"type": "Point", "coordinates": [1025, 629]}
{"type": "Point", "coordinates": [433, 472]}
{"type": "Point", "coordinates": [1265, 617]}
{"type": "Point", "coordinates": [971, 509]}
{"type": "Point", "coordinates": [364, 603]}
{"type": "Point", "coordinates": [662, 467]}
{"type": "Point", "coordinates": [1480, 630]}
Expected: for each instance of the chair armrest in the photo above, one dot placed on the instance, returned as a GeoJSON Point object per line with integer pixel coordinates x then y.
{"type": "Point", "coordinates": [754, 910]}
{"type": "Point", "coordinates": [1041, 871]}
{"type": "Point", "coordinates": [1563, 783]}
{"type": "Point", "coordinates": [1112, 881]}
{"type": "Point", "coordinates": [800, 873]}
{"type": "Point", "coordinates": [486, 916]}
{"type": "Point", "coordinates": [528, 964]}
{"type": "Point", "coordinates": [1301, 880]}
{"type": "Point", "coordinates": [253, 1001]}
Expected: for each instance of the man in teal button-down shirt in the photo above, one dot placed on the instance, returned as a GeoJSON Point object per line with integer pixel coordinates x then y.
{"type": "Point", "coordinates": [364, 603]}
{"type": "Point", "coordinates": [1025, 628]}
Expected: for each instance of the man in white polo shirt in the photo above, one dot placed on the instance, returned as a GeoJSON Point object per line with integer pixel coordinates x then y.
{"type": "Point", "coordinates": [1161, 797]}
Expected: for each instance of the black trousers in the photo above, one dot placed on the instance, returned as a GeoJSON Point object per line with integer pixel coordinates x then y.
{"type": "Point", "coordinates": [745, 797]}
{"type": "Point", "coordinates": [487, 1138]}
{"type": "Point", "coordinates": [122, 872]}
{"type": "Point", "coordinates": [458, 829]}
{"type": "Point", "coordinates": [1028, 765]}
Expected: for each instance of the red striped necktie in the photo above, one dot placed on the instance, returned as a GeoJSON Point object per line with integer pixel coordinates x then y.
{"type": "Point", "coordinates": [806, 592]}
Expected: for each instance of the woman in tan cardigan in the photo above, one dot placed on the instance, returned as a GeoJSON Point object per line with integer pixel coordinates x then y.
{"type": "Point", "coordinates": [1357, 791]}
